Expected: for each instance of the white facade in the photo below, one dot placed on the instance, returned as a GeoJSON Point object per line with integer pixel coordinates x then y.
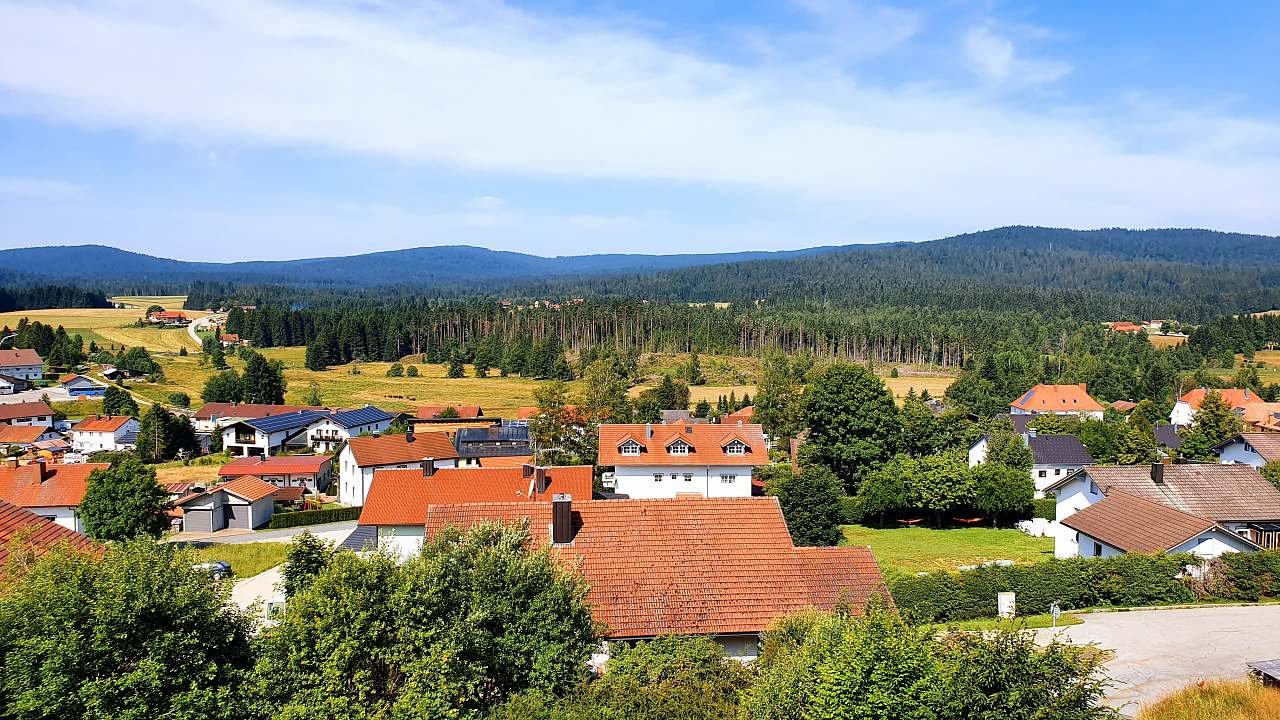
{"type": "Point", "coordinates": [1183, 414]}
{"type": "Point", "coordinates": [327, 435]}
{"type": "Point", "coordinates": [1241, 452]}
{"type": "Point", "coordinates": [23, 372]}
{"type": "Point", "coordinates": [978, 452]}
{"type": "Point", "coordinates": [1077, 494]}
{"type": "Point", "coordinates": [88, 442]}
{"type": "Point", "coordinates": [64, 515]}
{"type": "Point", "coordinates": [646, 482]}
{"type": "Point", "coordinates": [240, 440]}
{"type": "Point", "coordinates": [401, 541]}
{"type": "Point", "coordinates": [354, 479]}
{"type": "Point", "coordinates": [1206, 545]}
{"type": "Point", "coordinates": [1046, 474]}
{"type": "Point", "coordinates": [43, 420]}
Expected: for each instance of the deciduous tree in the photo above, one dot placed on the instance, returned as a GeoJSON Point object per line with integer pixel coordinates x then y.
{"type": "Point", "coordinates": [853, 422]}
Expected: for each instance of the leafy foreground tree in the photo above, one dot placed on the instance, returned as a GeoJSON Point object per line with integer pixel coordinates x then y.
{"type": "Point", "coordinates": [853, 422]}
{"type": "Point", "coordinates": [1214, 424]}
{"type": "Point", "coordinates": [451, 632]}
{"type": "Point", "coordinates": [124, 502]}
{"type": "Point", "coordinates": [129, 634]}
{"type": "Point", "coordinates": [810, 503]}
{"type": "Point", "coordinates": [117, 401]}
{"type": "Point", "coordinates": [306, 558]}
{"type": "Point", "coordinates": [816, 666]}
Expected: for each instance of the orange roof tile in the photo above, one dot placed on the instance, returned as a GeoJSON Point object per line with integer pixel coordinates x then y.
{"type": "Point", "coordinates": [275, 465]}
{"type": "Point", "coordinates": [1057, 399]}
{"type": "Point", "coordinates": [64, 486]}
{"type": "Point", "coordinates": [37, 534]}
{"type": "Point", "coordinates": [101, 423]}
{"type": "Point", "coordinates": [21, 434]}
{"type": "Point", "coordinates": [704, 566]}
{"type": "Point", "coordinates": [1124, 326]}
{"type": "Point", "coordinates": [707, 443]}
{"type": "Point", "coordinates": [401, 497]}
{"type": "Point", "coordinates": [1233, 397]}
{"type": "Point", "coordinates": [372, 450]}
{"type": "Point", "coordinates": [249, 487]}
{"type": "Point", "coordinates": [504, 461]}
{"type": "Point", "coordinates": [744, 414]}
{"type": "Point", "coordinates": [15, 411]}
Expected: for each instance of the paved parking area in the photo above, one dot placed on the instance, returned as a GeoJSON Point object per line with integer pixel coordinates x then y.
{"type": "Point", "coordinates": [56, 394]}
{"type": "Point", "coordinates": [1158, 651]}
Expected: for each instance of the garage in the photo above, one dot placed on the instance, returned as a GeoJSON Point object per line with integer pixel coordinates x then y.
{"type": "Point", "coordinates": [245, 503]}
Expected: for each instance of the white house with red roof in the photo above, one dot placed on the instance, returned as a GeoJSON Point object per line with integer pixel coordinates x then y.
{"type": "Point", "coordinates": [1185, 409]}
{"type": "Point", "coordinates": [306, 471]}
{"type": "Point", "coordinates": [245, 503]}
{"type": "Point", "coordinates": [35, 535]}
{"type": "Point", "coordinates": [683, 459]}
{"type": "Point", "coordinates": [23, 364]}
{"type": "Point", "coordinates": [363, 455]}
{"type": "Point", "coordinates": [52, 491]}
{"type": "Point", "coordinates": [26, 413]}
{"type": "Point", "coordinates": [1045, 399]}
{"type": "Point", "coordinates": [104, 432]}
{"type": "Point", "coordinates": [25, 436]}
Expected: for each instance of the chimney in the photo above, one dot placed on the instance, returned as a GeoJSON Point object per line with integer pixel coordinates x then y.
{"type": "Point", "coordinates": [1157, 473]}
{"type": "Point", "coordinates": [428, 467]}
{"type": "Point", "coordinates": [408, 433]}
{"type": "Point", "coordinates": [561, 519]}
{"type": "Point", "coordinates": [648, 431]}
{"type": "Point", "coordinates": [44, 470]}
{"type": "Point", "coordinates": [526, 471]}
{"type": "Point", "coordinates": [539, 480]}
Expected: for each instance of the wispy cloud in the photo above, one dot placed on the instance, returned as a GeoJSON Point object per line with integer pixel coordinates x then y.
{"type": "Point", "coordinates": [37, 189]}
{"type": "Point", "coordinates": [486, 88]}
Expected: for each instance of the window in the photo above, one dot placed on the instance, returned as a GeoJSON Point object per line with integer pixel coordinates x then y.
{"type": "Point", "coordinates": [657, 477]}
{"type": "Point", "coordinates": [1044, 473]}
{"type": "Point", "coordinates": [674, 476]}
{"type": "Point", "coordinates": [728, 479]}
{"type": "Point", "coordinates": [1097, 549]}
{"type": "Point", "coordinates": [688, 477]}
{"type": "Point", "coordinates": [631, 447]}
{"type": "Point", "coordinates": [1057, 471]}
{"type": "Point", "coordinates": [736, 448]}
{"type": "Point", "coordinates": [679, 448]}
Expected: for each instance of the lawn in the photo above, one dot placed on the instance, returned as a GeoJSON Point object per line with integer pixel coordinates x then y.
{"type": "Point", "coordinates": [1027, 622]}
{"type": "Point", "coordinates": [247, 559]}
{"type": "Point", "coordinates": [78, 408]}
{"type": "Point", "coordinates": [919, 549]}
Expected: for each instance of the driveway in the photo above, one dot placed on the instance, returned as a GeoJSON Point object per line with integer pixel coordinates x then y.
{"type": "Point", "coordinates": [1159, 651]}
{"type": "Point", "coordinates": [56, 394]}
{"type": "Point", "coordinates": [193, 330]}
{"type": "Point", "coordinates": [333, 532]}
{"type": "Point", "coordinates": [260, 587]}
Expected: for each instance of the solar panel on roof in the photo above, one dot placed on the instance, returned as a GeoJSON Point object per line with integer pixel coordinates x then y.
{"type": "Point", "coordinates": [363, 416]}
{"type": "Point", "coordinates": [287, 421]}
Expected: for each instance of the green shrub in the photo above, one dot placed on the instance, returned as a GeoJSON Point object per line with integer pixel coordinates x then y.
{"type": "Point", "coordinates": [851, 510]}
{"type": "Point", "coordinates": [1122, 581]}
{"type": "Point", "coordinates": [1244, 576]}
{"type": "Point", "coordinates": [1046, 507]}
{"type": "Point", "coordinates": [313, 517]}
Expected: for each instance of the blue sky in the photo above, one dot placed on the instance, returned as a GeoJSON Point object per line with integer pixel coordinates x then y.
{"type": "Point", "coordinates": [248, 129]}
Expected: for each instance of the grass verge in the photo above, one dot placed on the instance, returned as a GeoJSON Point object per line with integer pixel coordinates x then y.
{"type": "Point", "coordinates": [1217, 700]}
{"type": "Point", "coordinates": [247, 559]}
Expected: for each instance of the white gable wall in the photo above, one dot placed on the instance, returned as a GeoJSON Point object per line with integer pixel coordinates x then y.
{"type": "Point", "coordinates": [640, 482]}
{"type": "Point", "coordinates": [1240, 452]}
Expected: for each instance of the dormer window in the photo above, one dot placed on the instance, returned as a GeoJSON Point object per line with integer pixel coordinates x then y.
{"type": "Point", "coordinates": [679, 447]}
{"type": "Point", "coordinates": [737, 447]}
{"type": "Point", "coordinates": [630, 447]}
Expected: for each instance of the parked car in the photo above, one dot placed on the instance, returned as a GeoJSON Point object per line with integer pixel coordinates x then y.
{"type": "Point", "coordinates": [217, 569]}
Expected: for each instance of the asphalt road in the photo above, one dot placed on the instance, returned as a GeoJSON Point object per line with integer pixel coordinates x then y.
{"type": "Point", "coordinates": [329, 531]}
{"type": "Point", "coordinates": [1159, 651]}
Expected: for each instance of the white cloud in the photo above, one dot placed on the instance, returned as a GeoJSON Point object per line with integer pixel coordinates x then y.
{"type": "Point", "coordinates": [37, 189]}
{"type": "Point", "coordinates": [485, 88]}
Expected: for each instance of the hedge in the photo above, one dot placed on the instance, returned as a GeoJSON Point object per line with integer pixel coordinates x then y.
{"type": "Point", "coordinates": [1074, 583]}
{"type": "Point", "coordinates": [1244, 576]}
{"type": "Point", "coordinates": [1045, 507]}
{"type": "Point", "coordinates": [312, 517]}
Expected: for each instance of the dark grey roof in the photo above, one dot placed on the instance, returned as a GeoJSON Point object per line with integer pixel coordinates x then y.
{"type": "Point", "coordinates": [493, 441]}
{"type": "Point", "coordinates": [1019, 421]}
{"type": "Point", "coordinates": [494, 433]}
{"type": "Point", "coordinates": [285, 421]}
{"type": "Point", "coordinates": [364, 537]}
{"type": "Point", "coordinates": [671, 417]}
{"type": "Point", "coordinates": [1059, 450]}
{"type": "Point", "coordinates": [366, 415]}
{"type": "Point", "coordinates": [1167, 437]}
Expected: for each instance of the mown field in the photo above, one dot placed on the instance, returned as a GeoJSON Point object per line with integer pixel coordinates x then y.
{"type": "Point", "coordinates": [110, 327]}
{"type": "Point", "coordinates": [917, 549]}
{"type": "Point", "coordinates": [1166, 341]}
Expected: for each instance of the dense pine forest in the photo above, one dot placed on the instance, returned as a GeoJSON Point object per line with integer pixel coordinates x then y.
{"type": "Point", "coordinates": [34, 297]}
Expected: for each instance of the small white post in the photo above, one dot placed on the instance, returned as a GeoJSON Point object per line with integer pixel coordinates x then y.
{"type": "Point", "coordinates": [1007, 605]}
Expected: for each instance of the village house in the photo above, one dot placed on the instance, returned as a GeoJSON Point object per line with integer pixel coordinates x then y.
{"type": "Point", "coordinates": [78, 385]}
{"type": "Point", "coordinates": [34, 534]}
{"type": "Point", "coordinates": [231, 340]}
{"type": "Point", "coordinates": [51, 491]}
{"type": "Point", "coordinates": [1122, 523]}
{"type": "Point", "coordinates": [743, 415]}
{"type": "Point", "coordinates": [104, 432]}
{"type": "Point", "coordinates": [1125, 326]}
{"type": "Point", "coordinates": [1057, 400]}
{"type": "Point", "coordinates": [1234, 497]}
{"type": "Point", "coordinates": [329, 433]}
{"type": "Point", "coordinates": [724, 568]}
{"type": "Point", "coordinates": [245, 503]}
{"type": "Point", "coordinates": [505, 445]}
{"type": "Point", "coordinates": [362, 456]}
{"type": "Point", "coordinates": [10, 385]}
{"type": "Point", "coordinates": [667, 461]}
{"type": "Point", "coordinates": [23, 364]}
{"type": "Point", "coordinates": [395, 512]}
{"type": "Point", "coordinates": [1253, 449]}
{"type": "Point", "coordinates": [215, 415]}
{"type": "Point", "coordinates": [310, 472]}
{"type": "Point", "coordinates": [271, 434]}
{"type": "Point", "coordinates": [1053, 456]}
{"type": "Point", "coordinates": [25, 436]}
{"type": "Point", "coordinates": [169, 318]}
{"type": "Point", "coordinates": [35, 412]}
{"type": "Point", "coordinates": [1185, 409]}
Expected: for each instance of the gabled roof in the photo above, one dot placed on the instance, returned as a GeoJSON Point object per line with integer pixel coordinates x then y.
{"type": "Point", "coordinates": [101, 423]}
{"type": "Point", "coordinates": [1057, 399]}
{"type": "Point", "coordinates": [707, 440]}
{"type": "Point", "coordinates": [367, 415]}
{"type": "Point", "coordinates": [275, 465]}
{"type": "Point", "coordinates": [1123, 406]}
{"type": "Point", "coordinates": [64, 486]}
{"type": "Point", "coordinates": [21, 434]}
{"type": "Point", "coordinates": [401, 497]}
{"type": "Point", "coordinates": [249, 487]}
{"type": "Point", "coordinates": [432, 412]}
{"type": "Point", "coordinates": [288, 421]}
{"type": "Point", "coordinates": [1129, 523]}
{"type": "Point", "coordinates": [71, 377]}
{"type": "Point", "coordinates": [745, 414]}
{"type": "Point", "coordinates": [1233, 397]}
{"type": "Point", "coordinates": [1167, 437]}
{"type": "Point", "coordinates": [19, 358]}
{"type": "Point", "coordinates": [1059, 450]}
{"type": "Point", "coordinates": [209, 411]}
{"type": "Point", "coordinates": [1222, 493]}
{"type": "Point", "coordinates": [1266, 445]}
{"type": "Point", "coordinates": [697, 566]}
{"type": "Point", "coordinates": [374, 450]}
{"type": "Point", "coordinates": [16, 411]}
{"type": "Point", "coordinates": [37, 534]}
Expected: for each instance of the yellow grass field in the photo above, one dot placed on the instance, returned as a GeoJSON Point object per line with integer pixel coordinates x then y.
{"type": "Point", "coordinates": [1166, 341]}
{"type": "Point", "coordinates": [110, 327]}
{"type": "Point", "coordinates": [142, 302]}
{"type": "Point", "coordinates": [187, 473]}
{"type": "Point", "coordinates": [900, 386]}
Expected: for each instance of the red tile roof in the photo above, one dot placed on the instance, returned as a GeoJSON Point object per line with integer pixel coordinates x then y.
{"type": "Point", "coordinates": [743, 414]}
{"type": "Point", "coordinates": [168, 315]}
{"type": "Point", "coordinates": [21, 434]}
{"type": "Point", "coordinates": [249, 487]}
{"type": "Point", "coordinates": [1124, 326]}
{"type": "Point", "coordinates": [16, 411]}
{"type": "Point", "coordinates": [251, 411]}
{"type": "Point", "coordinates": [1233, 397]}
{"type": "Point", "coordinates": [372, 450]}
{"type": "Point", "coordinates": [1057, 399]}
{"type": "Point", "coordinates": [275, 465]}
{"type": "Point", "coordinates": [401, 497]}
{"type": "Point", "coordinates": [505, 461]}
{"type": "Point", "coordinates": [19, 358]}
{"type": "Point", "coordinates": [707, 443]}
{"type": "Point", "coordinates": [1123, 406]}
{"type": "Point", "coordinates": [101, 423]}
{"type": "Point", "coordinates": [1132, 524]}
{"type": "Point", "coordinates": [34, 534]}
{"type": "Point", "coordinates": [432, 412]}
{"type": "Point", "coordinates": [704, 566]}
{"type": "Point", "coordinates": [293, 493]}
{"type": "Point", "coordinates": [65, 485]}
{"type": "Point", "coordinates": [64, 379]}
